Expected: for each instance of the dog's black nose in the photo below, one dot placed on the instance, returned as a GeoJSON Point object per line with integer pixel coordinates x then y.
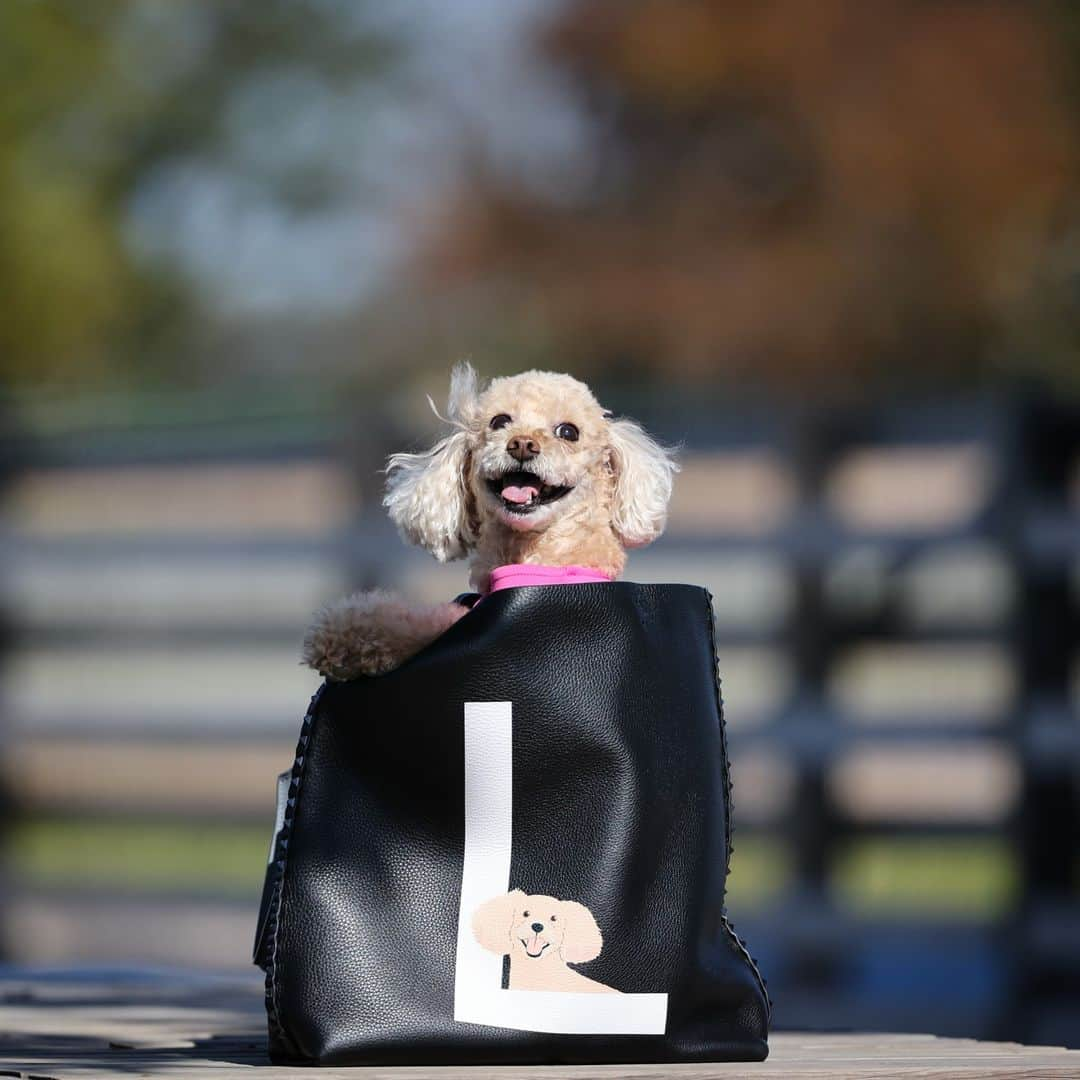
{"type": "Point", "coordinates": [522, 448]}
{"type": "Point", "coordinates": [538, 926]}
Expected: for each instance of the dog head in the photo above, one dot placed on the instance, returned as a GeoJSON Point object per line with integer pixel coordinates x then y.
{"type": "Point", "coordinates": [536, 927]}
{"type": "Point", "coordinates": [528, 451]}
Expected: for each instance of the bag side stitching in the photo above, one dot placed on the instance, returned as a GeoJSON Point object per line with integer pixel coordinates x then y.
{"type": "Point", "coordinates": [725, 767]}
{"type": "Point", "coordinates": [281, 859]}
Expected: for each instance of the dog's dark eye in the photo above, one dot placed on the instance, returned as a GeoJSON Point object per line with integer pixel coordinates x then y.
{"type": "Point", "coordinates": [500, 421]}
{"type": "Point", "coordinates": [525, 914]}
{"type": "Point", "coordinates": [552, 919]}
{"type": "Point", "coordinates": [567, 432]}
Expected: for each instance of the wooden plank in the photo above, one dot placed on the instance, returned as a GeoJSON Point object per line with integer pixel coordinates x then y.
{"type": "Point", "coordinates": [181, 1025]}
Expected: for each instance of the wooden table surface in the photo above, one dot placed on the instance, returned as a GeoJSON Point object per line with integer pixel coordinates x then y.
{"type": "Point", "coordinates": [85, 1025]}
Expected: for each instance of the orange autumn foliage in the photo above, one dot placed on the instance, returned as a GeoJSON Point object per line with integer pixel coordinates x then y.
{"type": "Point", "coordinates": [792, 191]}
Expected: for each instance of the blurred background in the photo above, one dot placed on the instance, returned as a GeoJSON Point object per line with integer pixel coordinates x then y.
{"type": "Point", "coordinates": [834, 249]}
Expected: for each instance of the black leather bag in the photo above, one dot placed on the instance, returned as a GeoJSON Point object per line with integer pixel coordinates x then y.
{"type": "Point", "coordinates": [514, 848]}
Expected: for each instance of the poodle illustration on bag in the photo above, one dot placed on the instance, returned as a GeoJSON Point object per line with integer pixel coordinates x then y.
{"type": "Point", "coordinates": [518, 951]}
{"type": "Point", "coordinates": [542, 936]}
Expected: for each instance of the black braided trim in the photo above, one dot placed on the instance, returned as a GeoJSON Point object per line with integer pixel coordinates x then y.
{"type": "Point", "coordinates": [281, 1044]}
{"type": "Point", "coordinates": [728, 788]}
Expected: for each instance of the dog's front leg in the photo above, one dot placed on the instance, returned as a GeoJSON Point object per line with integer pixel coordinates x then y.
{"type": "Point", "coordinates": [371, 633]}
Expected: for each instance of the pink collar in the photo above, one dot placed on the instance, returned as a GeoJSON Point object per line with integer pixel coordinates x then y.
{"type": "Point", "coordinates": [509, 577]}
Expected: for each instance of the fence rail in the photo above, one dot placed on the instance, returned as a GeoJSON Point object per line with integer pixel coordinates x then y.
{"type": "Point", "coordinates": [1010, 974]}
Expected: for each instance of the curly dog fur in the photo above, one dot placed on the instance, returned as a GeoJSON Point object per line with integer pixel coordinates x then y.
{"type": "Point", "coordinates": [534, 471]}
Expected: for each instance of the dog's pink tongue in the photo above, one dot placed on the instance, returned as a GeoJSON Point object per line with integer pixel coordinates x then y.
{"type": "Point", "coordinates": [519, 494]}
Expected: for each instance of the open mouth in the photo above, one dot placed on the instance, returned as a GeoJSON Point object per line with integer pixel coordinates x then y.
{"type": "Point", "coordinates": [522, 492]}
{"type": "Point", "coordinates": [536, 942]}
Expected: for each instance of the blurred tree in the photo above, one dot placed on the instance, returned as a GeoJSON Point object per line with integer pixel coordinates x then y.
{"type": "Point", "coordinates": [835, 192]}
{"type": "Point", "coordinates": [96, 99]}
{"type": "Point", "coordinates": [62, 271]}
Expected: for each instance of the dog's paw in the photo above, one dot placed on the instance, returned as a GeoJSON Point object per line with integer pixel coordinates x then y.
{"type": "Point", "coordinates": [371, 633]}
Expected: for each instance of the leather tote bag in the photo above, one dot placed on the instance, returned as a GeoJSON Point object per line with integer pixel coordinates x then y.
{"type": "Point", "coordinates": [513, 849]}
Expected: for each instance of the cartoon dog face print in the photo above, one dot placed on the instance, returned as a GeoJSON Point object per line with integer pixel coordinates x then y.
{"type": "Point", "coordinates": [542, 935]}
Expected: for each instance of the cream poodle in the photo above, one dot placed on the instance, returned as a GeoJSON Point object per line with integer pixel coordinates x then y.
{"type": "Point", "coordinates": [535, 471]}
{"type": "Point", "coordinates": [542, 936]}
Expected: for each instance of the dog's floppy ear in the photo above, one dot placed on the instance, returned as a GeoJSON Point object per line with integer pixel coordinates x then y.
{"type": "Point", "coordinates": [582, 939]}
{"type": "Point", "coordinates": [492, 920]}
{"type": "Point", "coordinates": [643, 475]}
{"type": "Point", "coordinates": [427, 494]}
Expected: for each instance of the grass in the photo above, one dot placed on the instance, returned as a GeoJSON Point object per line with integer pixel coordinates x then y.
{"type": "Point", "coordinates": [892, 878]}
{"type": "Point", "coordinates": [180, 857]}
{"type": "Point", "coordinates": [951, 877]}
{"type": "Point", "coordinates": [760, 871]}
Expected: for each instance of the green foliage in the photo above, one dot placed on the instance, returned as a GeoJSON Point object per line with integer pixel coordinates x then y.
{"type": "Point", "coordinates": [62, 269]}
{"type": "Point", "coordinates": [93, 98]}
